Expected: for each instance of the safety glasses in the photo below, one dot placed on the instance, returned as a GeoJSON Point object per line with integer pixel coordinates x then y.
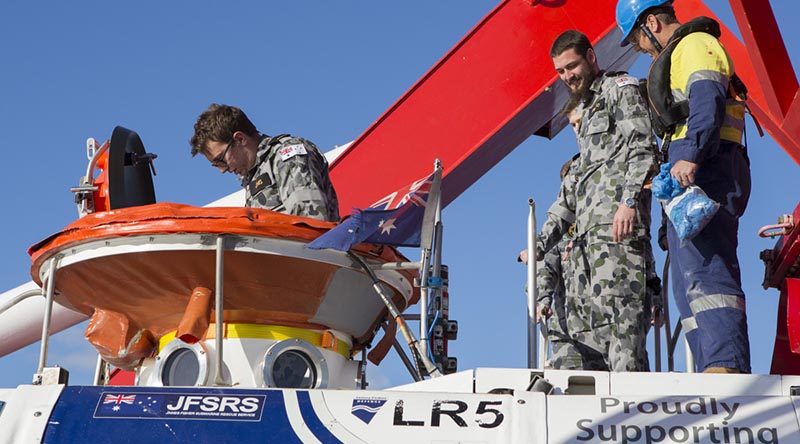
{"type": "Point", "coordinates": [219, 161]}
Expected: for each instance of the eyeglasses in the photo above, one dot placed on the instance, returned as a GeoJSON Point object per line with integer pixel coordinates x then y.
{"type": "Point", "coordinates": [219, 161]}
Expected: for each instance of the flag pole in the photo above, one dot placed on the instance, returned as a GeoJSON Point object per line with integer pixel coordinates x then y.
{"type": "Point", "coordinates": [354, 230]}
{"type": "Point", "coordinates": [424, 272]}
{"type": "Point", "coordinates": [533, 294]}
{"type": "Point", "coordinates": [429, 220]}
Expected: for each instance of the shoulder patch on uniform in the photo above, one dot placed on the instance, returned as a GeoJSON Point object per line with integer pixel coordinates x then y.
{"type": "Point", "coordinates": [289, 151]}
{"type": "Point", "coordinates": [625, 81]}
{"type": "Point", "coordinates": [259, 183]}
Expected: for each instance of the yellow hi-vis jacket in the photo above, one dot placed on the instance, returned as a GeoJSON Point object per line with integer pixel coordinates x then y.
{"type": "Point", "coordinates": [700, 72]}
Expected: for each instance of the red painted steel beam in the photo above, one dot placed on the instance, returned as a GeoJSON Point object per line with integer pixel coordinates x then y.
{"type": "Point", "coordinates": [792, 290]}
{"type": "Point", "coordinates": [489, 93]}
{"type": "Point", "coordinates": [786, 252]}
{"type": "Point", "coordinates": [784, 360]}
{"type": "Point", "coordinates": [773, 68]}
{"type": "Point", "coordinates": [782, 274]}
{"type": "Point", "coordinates": [496, 87]}
{"type": "Point", "coordinates": [768, 54]}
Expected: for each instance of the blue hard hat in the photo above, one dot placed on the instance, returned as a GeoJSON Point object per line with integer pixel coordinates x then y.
{"type": "Point", "coordinates": [628, 11]}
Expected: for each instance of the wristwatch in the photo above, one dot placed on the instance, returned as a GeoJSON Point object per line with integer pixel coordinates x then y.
{"type": "Point", "coordinates": [630, 202]}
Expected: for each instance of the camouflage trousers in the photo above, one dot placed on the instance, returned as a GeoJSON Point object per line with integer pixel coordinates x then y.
{"type": "Point", "coordinates": [608, 310]}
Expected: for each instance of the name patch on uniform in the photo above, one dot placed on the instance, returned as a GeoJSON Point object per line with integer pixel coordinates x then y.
{"type": "Point", "coordinates": [290, 151]}
{"type": "Point", "coordinates": [259, 183]}
{"type": "Point", "coordinates": [626, 80]}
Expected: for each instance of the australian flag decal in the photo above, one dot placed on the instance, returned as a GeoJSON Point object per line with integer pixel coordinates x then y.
{"type": "Point", "coordinates": [365, 408]}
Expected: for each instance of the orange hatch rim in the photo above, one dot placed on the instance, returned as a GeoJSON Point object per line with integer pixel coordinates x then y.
{"type": "Point", "coordinates": [171, 218]}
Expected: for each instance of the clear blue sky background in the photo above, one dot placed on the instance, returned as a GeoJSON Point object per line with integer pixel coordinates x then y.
{"type": "Point", "coordinates": [323, 70]}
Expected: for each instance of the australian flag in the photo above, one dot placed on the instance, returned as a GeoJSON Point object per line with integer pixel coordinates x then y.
{"type": "Point", "coordinates": [397, 219]}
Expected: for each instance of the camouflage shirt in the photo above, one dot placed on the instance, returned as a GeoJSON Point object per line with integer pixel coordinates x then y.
{"type": "Point", "coordinates": [553, 281]}
{"type": "Point", "coordinates": [617, 156]}
{"type": "Point", "coordinates": [291, 176]}
{"type": "Point", "coordinates": [551, 274]}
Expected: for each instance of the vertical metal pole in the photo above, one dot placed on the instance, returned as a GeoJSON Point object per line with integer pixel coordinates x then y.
{"type": "Point", "coordinates": [667, 321]}
{"type": "Point", "coordinates": [657, 341]}
{"type": "Point", "coordinates": [428, 248]}
{"type": "Point", "coordinates": [218, 307]}
{"type": "Point", "coordinates": [48, 314]}
{"type": "Point", "coordinates": [99, 371]}
{"type": "Point", "coordinates": [363, 375]}
{"type": "Point", "coordinates": [533, 353]}
{"type": "Point", "coordinates": [689, 356]}
{"type": "Point", "coordinates": [438, 228]}
{"type": "Point", "coordinates": [423, 299]}
{"type": "Point", "coordinates": [672, 344]}
{"type": "Point", "coordinates": [435, 294]}
{"type": "Point", "coordinates": [543, 345]}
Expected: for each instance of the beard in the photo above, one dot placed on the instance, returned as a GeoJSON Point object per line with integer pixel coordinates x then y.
{"type": "Point", "coordinates": [579, 89]}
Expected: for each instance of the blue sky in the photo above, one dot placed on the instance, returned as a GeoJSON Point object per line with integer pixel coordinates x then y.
{"type": "Point", "coordinates": [322, 70]}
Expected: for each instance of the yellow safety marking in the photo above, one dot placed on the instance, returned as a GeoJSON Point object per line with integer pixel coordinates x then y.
{"type": "Point", "coordinates": [259, 331]}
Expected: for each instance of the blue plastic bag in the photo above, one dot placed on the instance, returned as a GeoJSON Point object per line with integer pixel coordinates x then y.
{"type": "Point", "coordinates": [689, 209]}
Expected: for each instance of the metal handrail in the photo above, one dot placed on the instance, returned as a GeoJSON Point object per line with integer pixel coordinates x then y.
{"type": "Point", "coordinates": [218, 306]}
{"type": "Point", "coordinates": [48, 315]}
{"type": "Point", "coordinates": [533, 293]}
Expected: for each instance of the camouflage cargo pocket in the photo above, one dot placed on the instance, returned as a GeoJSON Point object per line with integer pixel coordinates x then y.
{"type": "Point", "coordinates": [617, 282]}
{"type": "Point", "coordinates": [597, 140]}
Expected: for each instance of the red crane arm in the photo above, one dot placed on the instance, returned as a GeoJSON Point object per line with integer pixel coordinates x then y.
{"type": "Point", "coordinates": [496, 87]}
{"type": "Point", "coordinates": [489, 93]}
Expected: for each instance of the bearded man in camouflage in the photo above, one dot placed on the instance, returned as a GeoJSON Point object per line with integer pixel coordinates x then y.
{"type": "Point", "coordinates": [604, 197]}
{"type": "Point", "coordinates": [282, 173]}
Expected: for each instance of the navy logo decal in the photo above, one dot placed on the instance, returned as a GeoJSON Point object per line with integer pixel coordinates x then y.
{"type": "Point", "coordinates": [365, 408]}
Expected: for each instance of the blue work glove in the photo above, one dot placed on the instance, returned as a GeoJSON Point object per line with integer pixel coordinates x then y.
{"type": "Point", "coordinates": [665, 187]}
{"type": "Point", "coordinates": [689, 209]}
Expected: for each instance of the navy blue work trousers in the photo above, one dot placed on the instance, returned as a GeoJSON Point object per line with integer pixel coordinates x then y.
{"type": "Point", "coordinates": [706, 279]}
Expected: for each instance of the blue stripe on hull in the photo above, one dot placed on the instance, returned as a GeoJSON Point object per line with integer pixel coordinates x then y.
{"type": "Point", "coordinates": [312, 420]}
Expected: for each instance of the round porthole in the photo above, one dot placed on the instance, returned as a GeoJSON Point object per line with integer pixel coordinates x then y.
{"type": "Point", "coordinates": [182, 365]}
{"type": "Point", "coordinates": [294, 363]}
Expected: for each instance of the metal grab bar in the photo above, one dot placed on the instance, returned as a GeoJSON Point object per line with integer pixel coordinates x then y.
{"type": "Point", "coordinates": [782, 228]}
{"type": "Point", "coordinates": [533, 291]}
{"type": "Point", "coordinates": [48, 315]}
{"type": "Point", "coordinates": [218, 307]}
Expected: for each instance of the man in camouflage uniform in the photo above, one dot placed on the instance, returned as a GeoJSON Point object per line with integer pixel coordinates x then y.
{"type": "Point", "coordinates": [555, 285]}
{"type": "Point", "coordinates": [282, 173]}
{"type": "Point", "coordinates": [557, 291]}
{"type": "Point", "coordinates": [605, 199]}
